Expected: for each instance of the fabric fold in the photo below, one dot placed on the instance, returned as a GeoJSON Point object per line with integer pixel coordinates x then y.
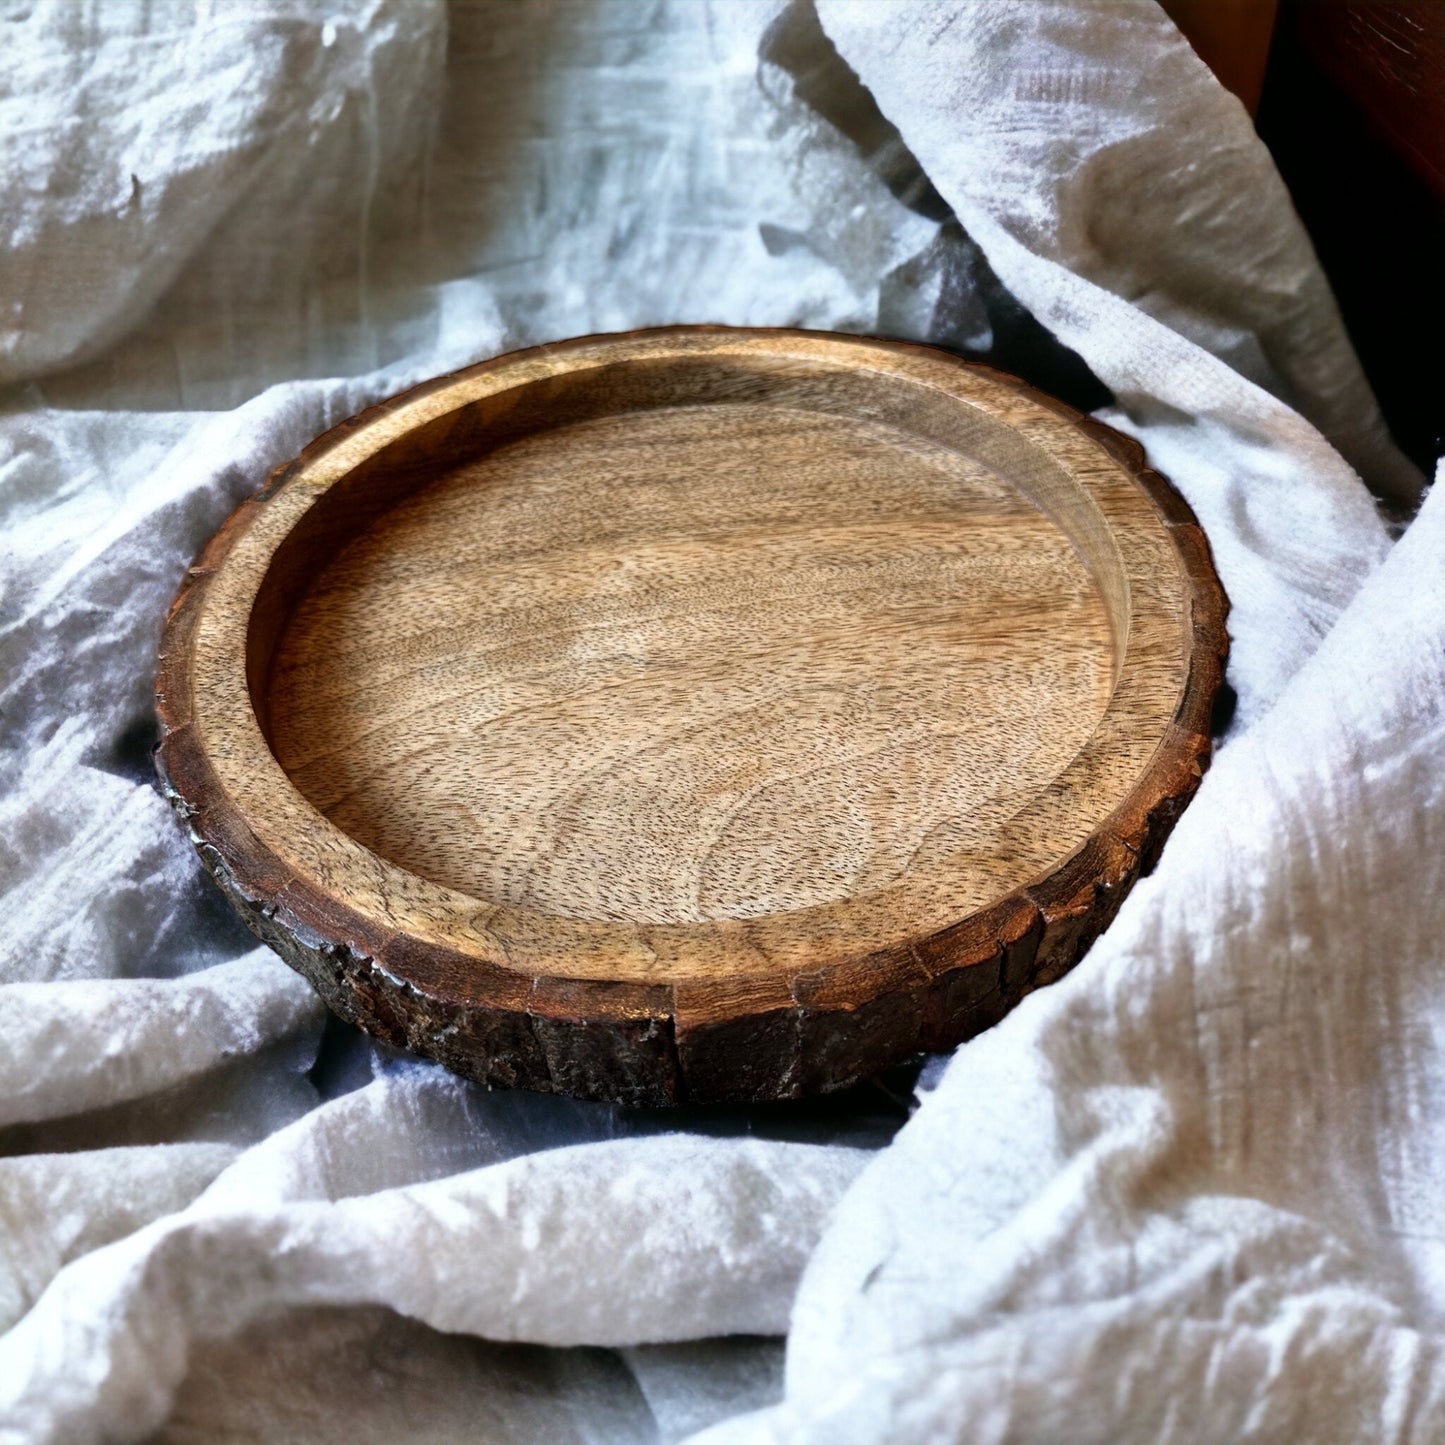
{"type": "Point", "coordinates": [1231, 1188]}
{"type": "Point", "coordinates": [1121, 195]}
{"type": "Point", "coordinates": [1192, 1183]}
{"type": "Point", "coordinates": [624, 1242]}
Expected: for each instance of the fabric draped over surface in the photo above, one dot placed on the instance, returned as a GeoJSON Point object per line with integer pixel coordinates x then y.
{"type": "Point", "coordinates": [1191, 1192]}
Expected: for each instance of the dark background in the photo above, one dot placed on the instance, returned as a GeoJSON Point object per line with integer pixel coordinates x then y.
{"type": "Point", "coordinates": [1349, 95]}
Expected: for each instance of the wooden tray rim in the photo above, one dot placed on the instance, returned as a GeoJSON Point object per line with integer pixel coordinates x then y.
{"type": "Point", "coordinates": [411, 982]}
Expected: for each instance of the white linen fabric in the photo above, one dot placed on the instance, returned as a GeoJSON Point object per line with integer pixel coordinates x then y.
{"type": "Point", "coordinates": [1190, 1193]}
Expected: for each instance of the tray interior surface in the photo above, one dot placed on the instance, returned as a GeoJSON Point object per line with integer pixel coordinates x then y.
{"type": "Point", "coordinates": [706, 659]}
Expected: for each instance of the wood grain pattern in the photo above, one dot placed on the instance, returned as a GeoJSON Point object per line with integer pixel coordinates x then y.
{"type": "Point", "coordinates": [697, 714]}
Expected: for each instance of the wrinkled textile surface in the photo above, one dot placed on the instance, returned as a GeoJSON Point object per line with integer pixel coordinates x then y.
{"type": "Point", "coordinates": [1193, 1192]}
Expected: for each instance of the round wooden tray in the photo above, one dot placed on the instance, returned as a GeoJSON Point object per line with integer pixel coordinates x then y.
{"type": "Point", "coordinates": [696, 714]}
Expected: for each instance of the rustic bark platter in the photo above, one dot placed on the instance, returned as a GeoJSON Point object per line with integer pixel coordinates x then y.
{"type": "Point", "coordinates": [696, 714]}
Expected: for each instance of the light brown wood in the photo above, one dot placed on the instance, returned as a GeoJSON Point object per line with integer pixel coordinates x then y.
{"type": "Point", "coordinates": [696, 714]}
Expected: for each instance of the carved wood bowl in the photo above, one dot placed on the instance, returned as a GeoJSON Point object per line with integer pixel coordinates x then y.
{"type": "Point", "coordinates": [692, 715]}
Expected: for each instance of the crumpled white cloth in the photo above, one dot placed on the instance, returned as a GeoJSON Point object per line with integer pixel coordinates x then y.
{"type": "Point", "coordinates": [1188, 1193]}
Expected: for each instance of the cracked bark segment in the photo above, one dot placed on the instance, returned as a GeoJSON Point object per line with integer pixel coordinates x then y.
{"type": "Point", "coordinates": [857, 1012]}
{"type": "Point", "coordinates": [1145, 819]}
{"type": "Point", "coordinates": [980, 968]}
{"type": "Point", "coordinates": [739, 1039]}
{"type": "Point", "coordinates": [665, 531]}
{"type": "Point", "coordinates": [1078, 901]}
{"type": "Point", "coordinates": [473, 1019]}
{"type": "Point", "coordinates": [607, 1040]}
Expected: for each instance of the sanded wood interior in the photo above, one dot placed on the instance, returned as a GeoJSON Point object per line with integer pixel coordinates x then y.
{"type": "Point", "coordinates": [695, 662]}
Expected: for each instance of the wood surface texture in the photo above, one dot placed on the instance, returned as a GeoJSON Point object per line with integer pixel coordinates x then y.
{"type": "Point", "coordinates": [1388, 56]}
{"type": "Point", "coordinates": [696, 714]}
